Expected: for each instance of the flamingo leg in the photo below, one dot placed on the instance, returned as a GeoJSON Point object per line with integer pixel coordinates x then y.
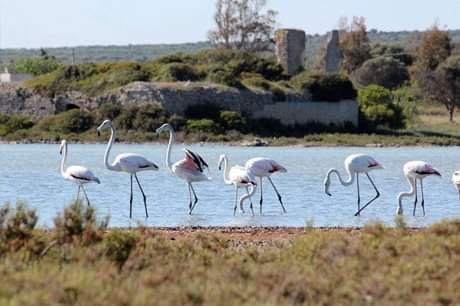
{"type": "Point", "coordinates": [359, 196]}
{"type": "Point", "coordinates": [196, 199]}
{"type": "Point", "coordinates": [423, 198]}
{"type": "Point", "coordinates": [241, 206]}
{"type": "Point", "coordinates": [86, 196]}
{"type": "Point", "coordinates": [458, 189]}
{"type": "Point", "coordinates": [190, 197]}
{"type": "Point", "coordinates": [131, 199]}
{"type": "Point", "coordinates": [143, 195]}
{"type": "Point", "coordinates": [261, 196]}
{"type": "Point", "coordinates": [373, 199]}
{"type": "Point", "coordinates": [277, 193]}
{"type": "Point", "coordinates": [78, 192]}
{"type": "Point", "coordinates": [250, 201]}
{"type": "Point", "coordinates": [415, 202]}
{"type": "Point", "coordinates": [236, 200]}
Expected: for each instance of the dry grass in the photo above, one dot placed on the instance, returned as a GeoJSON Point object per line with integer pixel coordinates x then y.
{"type": "Point", "coordinates": [373, 265]}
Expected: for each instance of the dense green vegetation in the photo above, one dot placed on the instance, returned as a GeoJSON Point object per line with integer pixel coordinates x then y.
{"type": "Point", "coordinates": [225, 67]}
{"type": "Point", "coordinates": [80, 262]}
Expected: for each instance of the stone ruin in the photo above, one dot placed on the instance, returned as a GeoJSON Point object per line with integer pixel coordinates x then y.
{"type": "Point", "coordinates": [290, 49]}
{"type": "Point", "coordinates": [332, 55]}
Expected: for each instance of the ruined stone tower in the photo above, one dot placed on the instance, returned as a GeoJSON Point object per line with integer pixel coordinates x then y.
{"type": "Point", "coordinates": [332, 55]}
{"type": "Point", "coordinates": [290, 48]}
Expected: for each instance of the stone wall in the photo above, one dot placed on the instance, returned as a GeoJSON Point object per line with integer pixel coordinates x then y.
{"type": "Point", "coordinates": [177, 97]}
{"type": "Point", "coordinates": [291, 113]}
{"type": "Point", "coordinates": [290, 49]}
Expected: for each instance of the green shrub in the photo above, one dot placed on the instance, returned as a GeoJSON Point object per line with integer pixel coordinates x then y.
{"type": "Point", "coordinates": [378, 109]}
{"type": "Point", "coordinates": [17, 225]}
{"type": "Point", "coordinates": [406, 98]}
{"type": "Point", "coordinates": [325, 87]}
{"type": "Point", "coordinates": [178, 72]}
{"type": "Point", "coordinates": [13, 123]}
{"type": "Point", "coordinates": [145, 118]}
{"type": "Point", "coordinates": [202, 125]}
{"type": "Point", "coordinates": [231, 120]}
{"type": "Point", "coordinates": [108, 111]}
{"type": "Point", "coordinates": [118, 244]}
{"type": "Point", "coordinates": [78, 223]}
{"type": "Point", "coordinates": [72, 121]}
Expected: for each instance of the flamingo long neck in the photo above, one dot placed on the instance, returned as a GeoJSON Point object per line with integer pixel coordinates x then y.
{"type": "Point", "coordinates": [348, 182]}
{"type": "Point", "coordinates": [411, 192]}
{"type": "Point", "coordinates": [226, 172]}
{"type": "Point", "coordinates": [64, 159]}
{"type": "Point", "coordinates": [172, 135]}
{"type": "Point", "coordinates": [113, 134]}
{"type": "Point", "coordinates": [251, 192]}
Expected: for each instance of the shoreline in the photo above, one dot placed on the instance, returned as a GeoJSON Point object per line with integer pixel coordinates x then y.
{"type": "Point", "coordinates": [233, 144]}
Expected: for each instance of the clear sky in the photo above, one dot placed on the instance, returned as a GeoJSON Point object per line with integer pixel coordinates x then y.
{"type": "Point", "coordinates": [52, 23]}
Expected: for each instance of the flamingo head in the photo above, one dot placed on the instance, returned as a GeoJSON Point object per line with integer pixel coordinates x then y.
{"type": "Point", "coordinates": [61, 147]}
{"type": "Point", "coordinates": [221, 161]}
{"type": "Point", "coordinates": [327, 184]}
{"type": "Point", "coordinates": [104, 125]}
{"type": "Point", "coordinates": [165, 126]}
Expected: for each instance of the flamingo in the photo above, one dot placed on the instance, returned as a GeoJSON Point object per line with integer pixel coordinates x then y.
{"type": "Point", "coordinates": [456, 181]}
{"type": "Point", "coordinates": [265, 167]}
{"type": "Point", "coordinates": [354, 165]}
{"type": "Point", "coordinates": [413, 171]}
{"type": "Point", "coordinates": [239, 177]}
{"type": "Point", "coordinates": [190, 169]}
{"type": "Point", "coordinates": [127, 162]}
{"type": "Point", "coordinates": [76, 174]}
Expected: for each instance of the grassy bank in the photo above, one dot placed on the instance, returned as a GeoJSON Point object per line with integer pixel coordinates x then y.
{"type": "Point", "coordinates": [80, 262]}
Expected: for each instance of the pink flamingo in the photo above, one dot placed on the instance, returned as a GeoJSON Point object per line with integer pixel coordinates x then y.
{"type": "Point", "coordinates": [190, 169]}
{"type": "Point", "coordinates": [240, 178]}
{"type": "Point", "coordinates": [413, 171]}
{"type": "Point", "coordinates": [264, 167]}
{"type": "Point", "coordinates": [354, 165]}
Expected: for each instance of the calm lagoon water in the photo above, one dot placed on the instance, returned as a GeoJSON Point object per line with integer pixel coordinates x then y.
{"type": "Point", "coordinates": [31, 173]}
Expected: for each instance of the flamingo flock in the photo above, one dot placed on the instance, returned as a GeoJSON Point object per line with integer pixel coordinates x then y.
{"type": "Point", "coordinates": [191, 169]}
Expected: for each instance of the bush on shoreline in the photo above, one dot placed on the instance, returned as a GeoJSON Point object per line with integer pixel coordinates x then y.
{"type": "Point", "coordinates": [185, 267]}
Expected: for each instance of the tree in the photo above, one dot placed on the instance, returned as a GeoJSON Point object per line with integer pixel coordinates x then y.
{"type": "Point", "coordinates": [354, 43]}
{"type": "Point", "coordinates": [435, 47]}
{"type": "Point", "coordinates": [384, 71]}
{"type": "Point", "coordinates": [377, 108]}
{"type": "Point", "coordinates": [443, 85]}
{"type": "Point", "coordinates": [243, 25]}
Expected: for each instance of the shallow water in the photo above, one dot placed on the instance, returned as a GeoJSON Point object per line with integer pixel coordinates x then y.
{"type": "Point", "coordinates": [31, 173]}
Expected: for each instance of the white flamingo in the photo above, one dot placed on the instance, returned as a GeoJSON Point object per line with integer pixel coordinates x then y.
{"type": "Point", "coordinates": [127, 162]}
{"type": "Point", "coordinates": [190, 169]}
{"type": "Point", "coordinates": [456, 181]}
{"type": "Point", "coordinates": [239, 177]}
{"type": "Point", "coordinates": [354, 165]}
{"type": "Point", "coordinates": [264, 167]}
{"type": "Point", "coordinates": [413, 171]}
{"type": "Point", "coordinates": [77, 174]}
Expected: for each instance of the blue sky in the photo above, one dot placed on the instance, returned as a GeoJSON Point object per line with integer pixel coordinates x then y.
{"type": "Point", "coordinates": [51, 23]}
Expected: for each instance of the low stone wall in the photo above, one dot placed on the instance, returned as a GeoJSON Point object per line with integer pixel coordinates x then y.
{"type": "Point", "coordinates": [177, 97]}
{"type": "Point", "coordinates": [291, 113]}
